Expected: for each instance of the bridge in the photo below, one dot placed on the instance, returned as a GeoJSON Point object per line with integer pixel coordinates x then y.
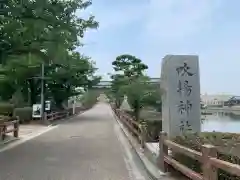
{"type": "Point", "coordinates": [107, 84]}
{"type": "Point", "coordinates": [103, 143]}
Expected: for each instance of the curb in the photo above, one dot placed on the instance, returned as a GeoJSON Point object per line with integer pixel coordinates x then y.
{"type": "Point", "coordinates": [151, 168]}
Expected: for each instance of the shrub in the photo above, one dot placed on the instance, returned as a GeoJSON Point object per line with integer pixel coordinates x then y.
{"type": "Point", "coordinates": [153, 123]}
{"type": "Point", "coordinates": [153, 129]}
{"type": "Point", "coordinates": [6, 109]}
{"type": "Point", "coordinates": [227, 145]}
{"type": "Point", "coordinates": [89, 99]}
{"type": "Point", "coordinates": [24, 114]}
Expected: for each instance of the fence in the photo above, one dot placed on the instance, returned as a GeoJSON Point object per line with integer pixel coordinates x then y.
{"type": "Point", "coordinates": [56, 115]}
{"type": "Point", "coordinates": [208, 155]}
{"type": "Point", "coordinates": [137, 129]}
{"type": "Point", "coordinates": [208, 158]}
{"type": "Point", "coordinates": [63, 114]}
{"type": "Point", "coordinates": [11, 125]}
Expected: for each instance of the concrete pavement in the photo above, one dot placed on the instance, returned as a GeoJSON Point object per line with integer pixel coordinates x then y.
{"type": "Point", "coordinates": [87, 147]}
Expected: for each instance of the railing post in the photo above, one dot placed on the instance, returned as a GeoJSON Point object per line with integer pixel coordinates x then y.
{"type": "Point", "coordinates": [45, 116]}
{"type": "Point", "coordinates": [209, 171]}
{"type": "Point", "coordinates": [143, 134]}
{"type": "Point", "coordinates": [16, 128]}
{"type": "Point", "coordinates": [3, 132]}
{"type": "Point", "coordinates": [118, 114]}
{"type": "Point", "coordinates": [163, 151]}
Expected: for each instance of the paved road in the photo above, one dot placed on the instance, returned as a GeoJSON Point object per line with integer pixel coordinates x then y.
{"type": "Point", "coordinates": [88, 147]}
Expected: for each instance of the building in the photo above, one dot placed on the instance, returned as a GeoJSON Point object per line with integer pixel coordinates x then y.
{"type": "Point", "coordinates": [233, 101]}
{"type": "Point", "coordinates": [215, 100]}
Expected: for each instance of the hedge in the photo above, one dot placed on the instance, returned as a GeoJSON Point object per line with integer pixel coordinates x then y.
{"type": "Point", "coordinates": [6, 109]}
{"type": "Point", "coordinates": [153, 124]}
{"type": "Point", "coordinates": [89, 99]}
{"type": "Point", "coordinates": [24, 114]}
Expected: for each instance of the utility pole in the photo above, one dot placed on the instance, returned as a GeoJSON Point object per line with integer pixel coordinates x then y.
{"type": "Point", "coordinates": [42, 93]}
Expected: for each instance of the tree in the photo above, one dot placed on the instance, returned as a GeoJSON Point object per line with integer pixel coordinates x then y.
{"type": "Point", "coordinates": [139, 92]}
{"type": "Point", "coordinates": [130, 80]}
{"type": "Point", "coordinates": [65, 78]}
{"type": "Point", "coordinates": [33, 32]}
{"type": "Point", "coordinates": [118, 81]}
{"type": "Point", "coordinates": [154, 97]}
{"type": "Point", "coordinates": [49, 25]}
{"type": "Point", "coordinates": [129, 65]}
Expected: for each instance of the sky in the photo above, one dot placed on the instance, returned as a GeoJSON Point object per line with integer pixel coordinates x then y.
{"type": "Point", "coordinates": [151, 29]}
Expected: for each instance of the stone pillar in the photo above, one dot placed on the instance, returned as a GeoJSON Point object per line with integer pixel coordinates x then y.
{"type": "Point", "coordinates": [180, 86]}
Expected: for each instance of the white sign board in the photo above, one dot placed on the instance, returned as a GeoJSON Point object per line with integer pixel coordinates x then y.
{"type": "Point", "coordinates": [47, 105]}
{"type": "Point", "coordinates": [36, 110]}
{"type": "Point", "coordinates": [180, 84]}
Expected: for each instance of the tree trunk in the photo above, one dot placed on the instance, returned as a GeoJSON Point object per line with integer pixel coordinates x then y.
{"type": "Point", "coordinates": [137, 110]}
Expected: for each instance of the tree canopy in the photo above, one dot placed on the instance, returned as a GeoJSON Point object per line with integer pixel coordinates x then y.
{"type": "Point", "coordinates": [33, 32]}
{"type": "Point", "coordinates": [130, 65]}
{"type": "Point", "coordinates": [130, 80]}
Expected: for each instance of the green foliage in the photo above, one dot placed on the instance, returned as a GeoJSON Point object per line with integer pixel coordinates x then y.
{"type": "Point", "coordinates": [89, 99]}
{"type": "Point", "coordinates": [24, 114]}
{"type": "Point", "coordinates": [6, 109]}
{"type": "Point", "coordinates": [118, 81]}
{"type": "Point", "coordinates": [154, 98]}
{"type": "Point", "coordinates": [153, 128]}
{"type": "Point", "coordinates": [33, 32]}
{"type": "Point", "coordinates": [130, 80]}
{"type": "Point", "coordinates": [138, 90]}
{"type": "Point", "coordinates": [131, 66]}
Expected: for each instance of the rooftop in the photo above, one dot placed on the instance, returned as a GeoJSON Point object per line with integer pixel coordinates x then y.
{"type": "Point", "coordinates": [218, 97]}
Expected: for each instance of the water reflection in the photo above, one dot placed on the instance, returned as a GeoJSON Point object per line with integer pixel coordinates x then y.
{"type": "Point", "coordinates": [221, 122]}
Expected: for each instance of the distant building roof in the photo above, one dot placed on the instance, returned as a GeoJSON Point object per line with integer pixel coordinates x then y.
{"type": "Point", "coordinates": [235, 98]}
{"type": "Point", "coordinates": [217, 97]}
{"type": "Point", "coordinates": [104, 83]}
{"type": "Point", "coordinates": [155, 80]}
{"type": "Point", "coordinates": [108, 83]}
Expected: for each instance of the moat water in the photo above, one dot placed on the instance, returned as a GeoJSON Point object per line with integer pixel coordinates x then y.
{"type": "Point", "coordinates": [221, 122]}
